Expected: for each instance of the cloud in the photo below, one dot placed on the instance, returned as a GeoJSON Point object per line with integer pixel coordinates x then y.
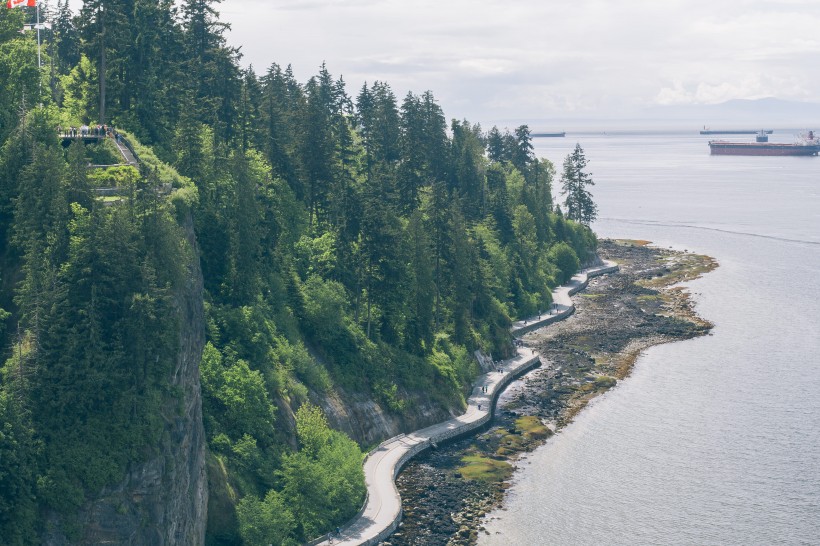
{"type": "Point", "coordinates": [752, 86]}
{"type": "Point", "coordinates": [488, 58]}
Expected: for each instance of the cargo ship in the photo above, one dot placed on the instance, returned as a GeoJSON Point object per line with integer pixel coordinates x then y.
{"type": "Point", "coordinates": [542, 135]}
{"type": "Point", "coordinates": [807, 145]}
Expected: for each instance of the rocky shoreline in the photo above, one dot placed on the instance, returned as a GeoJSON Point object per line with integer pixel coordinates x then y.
{"type": "Point", "coordinates": [446, 492]}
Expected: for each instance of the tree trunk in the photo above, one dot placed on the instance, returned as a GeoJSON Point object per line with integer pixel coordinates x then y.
{"type": "Point", "coordinates": [103, 67]}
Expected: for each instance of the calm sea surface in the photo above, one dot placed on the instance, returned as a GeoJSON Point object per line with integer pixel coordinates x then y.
{"type": "Point", "coordinates": [715, 440]}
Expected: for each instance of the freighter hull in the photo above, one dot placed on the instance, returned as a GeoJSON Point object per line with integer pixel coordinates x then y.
{"type": "Point", "coordinates": [755, 148]}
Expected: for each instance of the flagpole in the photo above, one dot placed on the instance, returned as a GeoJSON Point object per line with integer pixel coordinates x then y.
{"type": "Point", "coordinates": [39, 61]}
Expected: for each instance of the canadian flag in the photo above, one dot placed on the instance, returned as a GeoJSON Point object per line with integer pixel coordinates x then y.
{"type": "Point", "coordinates": [19, 3]}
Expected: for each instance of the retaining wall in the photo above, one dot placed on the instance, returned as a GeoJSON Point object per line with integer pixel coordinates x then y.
{"type": "Point", "coordinates": [421, 440]}
{"type": "Point", "coordinates": [563, 313]}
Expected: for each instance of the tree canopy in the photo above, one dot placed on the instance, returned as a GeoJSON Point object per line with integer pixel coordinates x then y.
{"type": "Point", "coordinates": [574, 183]}
{"type": "Point", "coordinates": [349, 246]}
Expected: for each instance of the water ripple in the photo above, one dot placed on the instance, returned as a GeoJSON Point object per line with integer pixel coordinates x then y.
{"type": "Point", "coordinates": [706, 228]}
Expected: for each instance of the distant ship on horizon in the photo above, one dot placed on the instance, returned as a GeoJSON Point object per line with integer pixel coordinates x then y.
{"type": "Point", "coordinates": [542, 135]}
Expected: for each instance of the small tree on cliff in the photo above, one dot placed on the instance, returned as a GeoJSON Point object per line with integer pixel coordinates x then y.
{"type": "Point", "coordinates": [574, 181]}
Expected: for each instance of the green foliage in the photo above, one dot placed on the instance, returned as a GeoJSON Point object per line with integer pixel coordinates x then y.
{"type": "Point", "coordinates": [123, 176]}
{"type": "Point", "coordinates": [98, 327]}
{"type": "Point", "coordinates": [79, 100]}
{"type": "Point", "coordinates": [347, 246]}
{"type": "Point", "coordinates": [18, 452]}
{"type": "Point", "coordinates": [322, 486]}
{"type": "Point", "coordinates": [452, 362]}
{"type": "Point", "coordinates": [388, 393]}
{"type": "Point", "coordinates": [323, 482]}
{"type": "Point", "coordinates": [161, 172]}
{"type": "Point", "coordinates": [267, 521]}
{"type": "Point", "coordinates": [325, 308]}
{"type": "Point", "coordinates": [574, 183]}
{"type": "Point", "coordinates": [115, 297]}
{"type": "Point", "coordinates": [564, 257]}
{"type": "Point", "coordinates": [236, 397]}
{"type": "Point", "coordinates": [317, 255]}
{"type": "Point", "coordinates": [20, 79]}
{"type": "Point", "coordinates": [105, 152]}
{"type": "Point", "coordinates": [311, 430]}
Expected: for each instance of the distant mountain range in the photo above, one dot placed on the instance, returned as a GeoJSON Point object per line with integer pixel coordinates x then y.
{"type": "Point", "coordinates": [768, 112]}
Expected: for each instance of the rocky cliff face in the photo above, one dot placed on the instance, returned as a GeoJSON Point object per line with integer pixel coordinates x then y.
{"type": "Point", "coordinates": [367, 422]}
{"type": "Point", "coordinates": [162, 501]}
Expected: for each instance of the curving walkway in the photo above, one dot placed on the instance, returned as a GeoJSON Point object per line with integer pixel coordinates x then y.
{"type": "Point", "coordinates": [381, 513]}
{"type": "Point", "coordinates": [562, 305]}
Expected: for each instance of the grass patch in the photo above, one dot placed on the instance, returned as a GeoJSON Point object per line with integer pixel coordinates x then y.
{"type": "Point", "coordinates": [681, 268]}
{"type": "Point", "coordinates": [632, 242]}
{"type": "Point", "coordinates": [532, 427]}
{"type": "Point", "coordinates": [526, 433]}
{"type": "Point", "coordinates": [605, 382]}
{"type": "Point", "coordinates": [480, 468]}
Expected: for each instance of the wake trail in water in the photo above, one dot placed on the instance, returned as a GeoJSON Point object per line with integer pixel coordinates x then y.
{"type": "Point", "coordinates": [731, 232]}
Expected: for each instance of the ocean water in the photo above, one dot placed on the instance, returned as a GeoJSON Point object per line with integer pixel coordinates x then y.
{"type": "Point", "coordinates": [714, 440]}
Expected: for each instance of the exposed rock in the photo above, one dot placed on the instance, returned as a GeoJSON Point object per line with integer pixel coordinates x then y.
{"type": "Point", "coordinates": [367, 422]}
{"type": "Point", "coordinates": [617, 317]}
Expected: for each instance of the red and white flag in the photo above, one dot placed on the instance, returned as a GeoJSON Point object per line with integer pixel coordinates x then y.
{"type": "Point", "coordinates": [19, 3]}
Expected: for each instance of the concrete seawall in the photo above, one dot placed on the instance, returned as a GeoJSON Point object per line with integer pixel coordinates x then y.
{"type": "Point", "coordinates": [381, 513]}
{"type": "Point", "coordinates": [562, 305]}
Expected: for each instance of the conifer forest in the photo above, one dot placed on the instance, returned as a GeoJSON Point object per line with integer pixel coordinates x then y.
{"type": "Point", "coordinates": [234, 251]}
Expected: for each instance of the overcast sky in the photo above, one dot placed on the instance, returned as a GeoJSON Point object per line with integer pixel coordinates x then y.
{"type": "Point", "coordinates": [491, 60]}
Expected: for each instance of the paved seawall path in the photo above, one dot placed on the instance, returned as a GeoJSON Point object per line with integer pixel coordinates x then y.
{"type": "Point", "coordinates": [381, 513]}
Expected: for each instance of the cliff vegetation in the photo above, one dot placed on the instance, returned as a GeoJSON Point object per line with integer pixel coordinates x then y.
{"type": "Point", "coordinates": [320, 266]}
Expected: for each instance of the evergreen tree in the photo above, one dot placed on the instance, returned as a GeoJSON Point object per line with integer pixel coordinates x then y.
{"type": "Point", "coordinates": [66, 38]}
{"type": "Point", "coordinates": [412, 175]}
{"type": "Point", "coordinates": [521, 150]}
{"type": "Point", "coordinates": [420, 300]}
{"type": "Point", "coordinates": [151, 96]}
{"type": "Point", "coordinates": [424, 148]}
{"type": "Point", "coordinates": [210, 66]}
{"type": "Point", "coordinates": [574, 182]}
{"type": "Point", "coordinates": [282, 103]}
{"type": "Point", "coordinates": [495, 145]}
{"type": "Point", "coordinates": [379, 125]}
{"type": "Point", "coordinates": [104, 27]}
{"type": "Point", "coordinates": [371, 237]}
{"type": "Point", "coordinates": [18, 452]}
{"type": "Point", "coordinates": [317, 149]}
{"type": "Point", "coordinates": [461, 272]}
{"type": "Point", "coordinates": [468, 169]}
{"type": "Point", "coordinates": [540, 197]}
{"type": "Point", "coordinates": [20, 81]}
{"type": "Point", "coordinates": [249, 112]}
